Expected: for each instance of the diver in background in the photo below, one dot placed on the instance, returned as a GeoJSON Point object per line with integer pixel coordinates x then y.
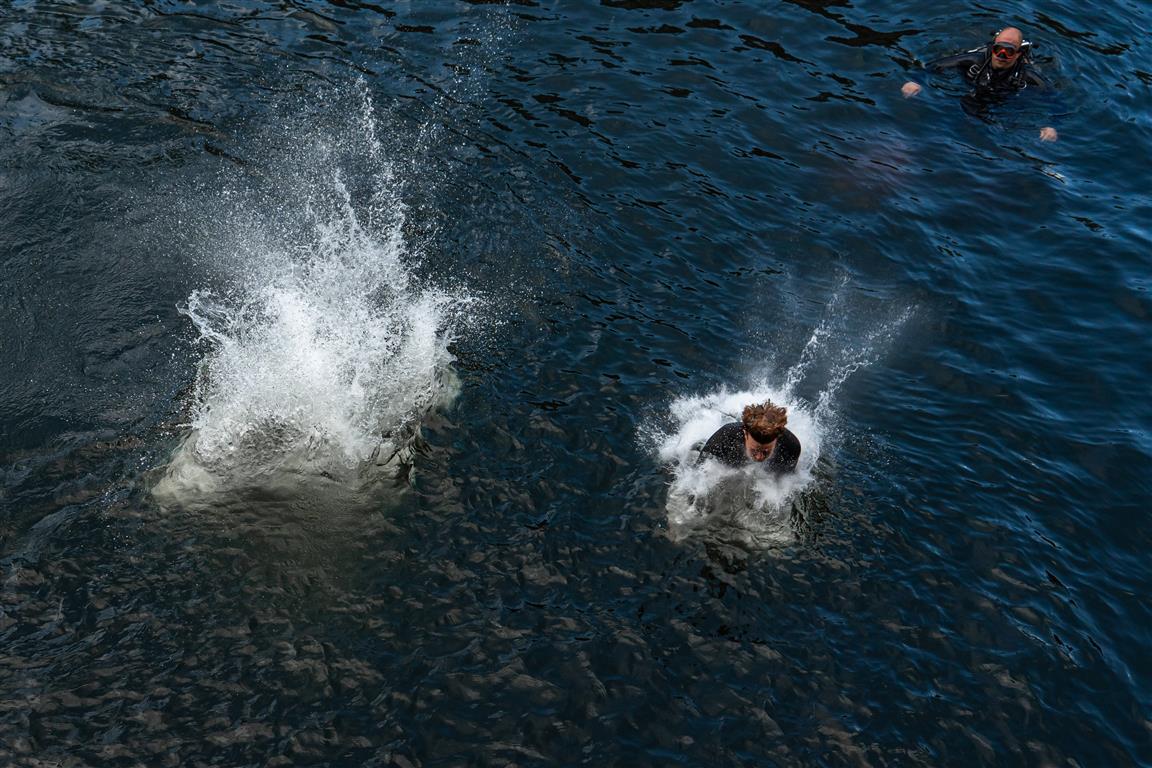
{"type": "Point", "coordinates": [995, 70]}
{"type": "Point", "coordinates": [760, 436]}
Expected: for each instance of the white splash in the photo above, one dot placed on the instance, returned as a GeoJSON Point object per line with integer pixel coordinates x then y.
{"type": "Point", "coordinates": [756, 499]}
{"type": "Point", "coordinates": [324, 350]}
{"type": "Point", "coordinates": [756, 502]}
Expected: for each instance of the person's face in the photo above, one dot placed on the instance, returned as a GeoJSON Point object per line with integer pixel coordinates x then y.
{"type": "Point", "coordinates": [1005, 51]}
{"type": "Point", "coordinates": [757, 451]}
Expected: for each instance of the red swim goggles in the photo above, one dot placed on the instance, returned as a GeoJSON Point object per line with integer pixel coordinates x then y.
{"type": "Point", "coordinates": [1004, 50]}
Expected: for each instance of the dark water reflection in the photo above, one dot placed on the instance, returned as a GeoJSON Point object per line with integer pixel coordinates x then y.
{"type": "Point", "coordinates": [650, 201]}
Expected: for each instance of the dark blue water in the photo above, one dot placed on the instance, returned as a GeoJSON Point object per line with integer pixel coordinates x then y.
{"type": "Point", "coordinates": [352, 354]}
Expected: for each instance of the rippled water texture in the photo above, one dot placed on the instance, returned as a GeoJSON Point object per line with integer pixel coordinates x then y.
{"type": "Point", "coordinates": [355, 355]}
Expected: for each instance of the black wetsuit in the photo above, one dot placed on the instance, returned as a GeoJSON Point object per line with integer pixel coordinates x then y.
{"type": "Point", "coordinates": [990, 84]}
{"type": "Point", "coordinates": [727, 445]}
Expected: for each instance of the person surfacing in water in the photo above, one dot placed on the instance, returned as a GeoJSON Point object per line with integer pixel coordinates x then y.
{"type": "Point", "coordinates": [996, 70]}
{"type": "Point", "coordinates": [759, 437]}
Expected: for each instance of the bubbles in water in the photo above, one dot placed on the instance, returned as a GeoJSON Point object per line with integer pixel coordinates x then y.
{"type": "Point", "coordinates": [323, 349]}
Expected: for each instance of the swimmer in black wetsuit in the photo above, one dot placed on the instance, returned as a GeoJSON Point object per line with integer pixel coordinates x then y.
{"type": "Point", "coordinates": [995, 70]}
{"type": "Point", "coordinates": [760, 437]}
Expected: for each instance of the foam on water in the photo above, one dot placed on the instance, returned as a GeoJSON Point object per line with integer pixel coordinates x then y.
{"type": "Point", "coordinates": [751, 496]}
{"type": "Point", "coordinates": [322, 350]}
{"type": "Point", "coordinates": [758, 504]}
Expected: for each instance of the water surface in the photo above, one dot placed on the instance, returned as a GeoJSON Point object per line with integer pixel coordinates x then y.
{"type": "Point", "coordinates": [353, 351]}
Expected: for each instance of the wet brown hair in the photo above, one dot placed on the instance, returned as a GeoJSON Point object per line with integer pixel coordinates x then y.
{"type": "Point", "coordinates": [765, 422]}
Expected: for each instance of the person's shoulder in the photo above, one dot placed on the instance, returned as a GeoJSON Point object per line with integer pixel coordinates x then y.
{"type": "Point", "coordinates": [726, 444]}
{"type": "Point", "coordinates": [790, 442]}
{"type": "Point", "coordinates": [725, 434]}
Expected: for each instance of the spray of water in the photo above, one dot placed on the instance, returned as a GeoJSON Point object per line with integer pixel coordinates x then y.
{"type": "Point", "coordinates": [748, 495]}
{"type": "Point", "coordinates": [321, 349]}
{"type": "Point", "coordinates": [756, 502]}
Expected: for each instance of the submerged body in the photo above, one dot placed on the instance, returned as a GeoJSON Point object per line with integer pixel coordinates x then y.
{"type": "Point", "coordinates": [728, 444]}
{"type": "Point", "coordinates": [995, 71]}
{"type": "Point", "coordinates": [988, 81]}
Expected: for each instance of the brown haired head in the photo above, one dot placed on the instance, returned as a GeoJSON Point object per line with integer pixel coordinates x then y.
{"type": "Point", "coordinates": [765, 422]}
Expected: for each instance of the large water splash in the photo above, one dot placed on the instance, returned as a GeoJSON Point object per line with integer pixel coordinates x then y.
{"type": "Point", "coordinates": [323, 350]}
{"type": "Point", "coordinates": [756, 502]}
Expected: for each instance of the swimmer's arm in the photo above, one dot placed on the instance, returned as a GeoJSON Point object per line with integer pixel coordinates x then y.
{"type": "Point", "coordinates": [1036, 80]}
{"type": "Point", "coordinates": [966, 59]}
{"type": "Point", "coordinates": [699, 455]}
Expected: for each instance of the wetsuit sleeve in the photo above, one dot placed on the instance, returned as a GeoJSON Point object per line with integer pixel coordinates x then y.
{"type": "Point", "coordinates": [956, 61]}
{"type": "Point", "coordinates": [1035, 79]}
{"type": "Point", "coordinates": [714, 447]}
